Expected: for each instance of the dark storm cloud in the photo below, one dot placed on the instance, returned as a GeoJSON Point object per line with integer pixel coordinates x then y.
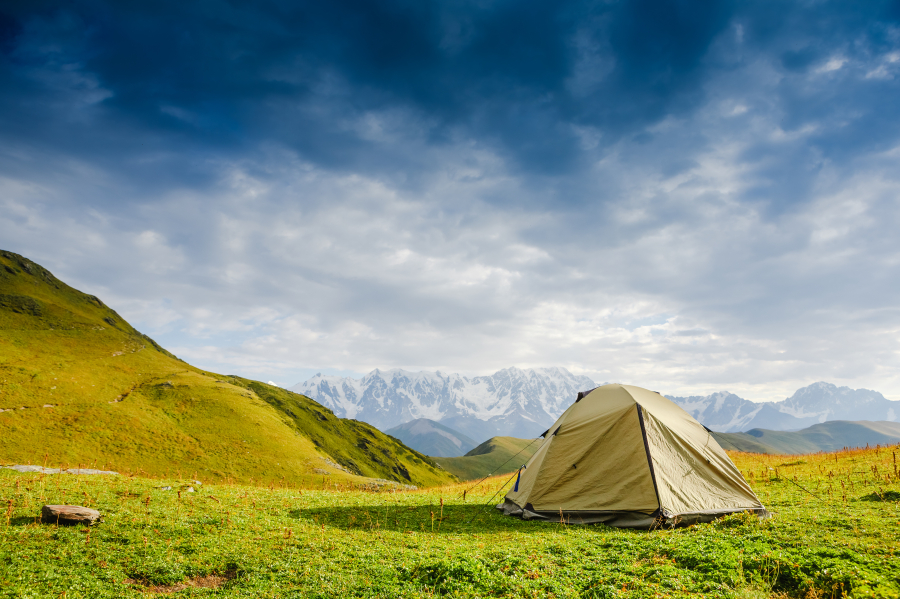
{"type": "Point", "coordinates": [185, 79]}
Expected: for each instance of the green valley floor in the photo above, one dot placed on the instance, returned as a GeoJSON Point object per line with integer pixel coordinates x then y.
{"type": "Point", "coordinates": [835, 532]}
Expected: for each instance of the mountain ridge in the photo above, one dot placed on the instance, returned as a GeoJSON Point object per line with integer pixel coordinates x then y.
{"type": "Point", "coordinates": [480, 407]}
{"type": "Point", "coordinates": [79, 385]}
{"type": "Point", "coordinates": [816, 403]}
{"type": "Point", "coordinates": [524, 402]}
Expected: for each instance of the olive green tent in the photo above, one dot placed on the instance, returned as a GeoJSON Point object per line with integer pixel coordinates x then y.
{"type": "Point", "coordinates": [629, 457]}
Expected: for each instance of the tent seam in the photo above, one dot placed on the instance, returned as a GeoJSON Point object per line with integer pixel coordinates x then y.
{"type": "Point", "coordinates": [640, 411]}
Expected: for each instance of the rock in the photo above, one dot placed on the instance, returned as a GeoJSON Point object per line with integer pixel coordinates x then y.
{"type": "Point", "coordinates": [26, 468]}
{"type": "Point", "coordinates": [42, 470]}
{"type": "Point", "coordinates": [320, 471]}
{"type": "Point", "coordinates": [167, 488]}
{"type": "Point", "coordinates": [68, 514]}
{"type": "Point", "coordinates": [190, 490]}
{"type": "Point", "coordinates": [88, 471]}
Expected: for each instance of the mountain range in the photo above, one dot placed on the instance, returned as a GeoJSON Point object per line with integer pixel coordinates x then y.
{"type": "Point", "coordinates": [816, 403]}
{"type": "Point", "coordinates": [524, 402]}
{"type": "Point", "coordinates": [513, 402]}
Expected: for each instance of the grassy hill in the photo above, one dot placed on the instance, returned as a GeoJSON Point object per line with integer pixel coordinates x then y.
{"type": "Point", "coordinates": [826, 436]}
{"type": "Point", "coordinates": [79, 385]}
{"type": "Point", "coordinates": [494, 454]}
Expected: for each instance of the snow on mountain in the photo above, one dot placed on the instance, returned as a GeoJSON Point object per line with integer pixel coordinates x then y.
{"type": "Point", "coordinates": [509, 402]}
{"type": "Point", "coordinates": [721, 411]}
{"type": "Point", "coordinates": [524, 403]}
{"type": "Point", "coordinates": [824, 401]}
{"type": "Point", "coordinates": [819, 402]}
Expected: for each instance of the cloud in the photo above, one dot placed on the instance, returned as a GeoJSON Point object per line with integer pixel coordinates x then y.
{"type": "Point", "coordinates": [681, 196]}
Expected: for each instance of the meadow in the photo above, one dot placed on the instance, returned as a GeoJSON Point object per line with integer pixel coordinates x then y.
{"type": "Point", "coordinates": [834, 533]}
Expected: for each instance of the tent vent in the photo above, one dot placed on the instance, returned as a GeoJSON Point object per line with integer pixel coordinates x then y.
{"type": "Point", "coordinates": [583, 394]}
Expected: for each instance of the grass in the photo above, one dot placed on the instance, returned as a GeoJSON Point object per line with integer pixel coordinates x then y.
{"type": "Point", "coordinates": [834, 534]}
{"type": "Point", "coordinates": [78, 380]}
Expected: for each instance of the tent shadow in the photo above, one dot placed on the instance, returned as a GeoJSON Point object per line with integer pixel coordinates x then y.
{"type": "Point", "coordinates": [403, 518]}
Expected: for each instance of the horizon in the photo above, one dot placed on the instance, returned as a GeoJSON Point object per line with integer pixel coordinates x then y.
{"type": "Point", "coordinates": [360, 376]}
{"type": "Point", "coordinates": [691, 198]}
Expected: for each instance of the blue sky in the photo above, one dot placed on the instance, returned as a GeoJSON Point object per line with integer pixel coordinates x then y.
{"type": "Point", "coordinates": [687, 196]}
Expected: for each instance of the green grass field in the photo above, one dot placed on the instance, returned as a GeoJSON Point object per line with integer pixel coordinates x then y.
{"type": "Point", "coordinates": [835, 533]}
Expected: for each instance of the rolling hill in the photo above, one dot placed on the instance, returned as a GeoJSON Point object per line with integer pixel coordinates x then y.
{"type": "Point", "coordinates": [432, 438]}
{"type": "Point", "coordinates": [497, 455]}
{"type": "Point", "coordinates": [826, 436]}
{"type": "Point", "coordinates": [79, 385]}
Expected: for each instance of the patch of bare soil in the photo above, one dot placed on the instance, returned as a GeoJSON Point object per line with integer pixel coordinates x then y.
{"type": "Point", "coordinates": [213, 581]}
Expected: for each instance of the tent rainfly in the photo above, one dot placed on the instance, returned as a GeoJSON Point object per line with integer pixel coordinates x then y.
{"type": "Point", "coordinates": [629, 457]}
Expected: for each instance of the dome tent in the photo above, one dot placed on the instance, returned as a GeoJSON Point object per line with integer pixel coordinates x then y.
{"type": "Point", "coordinates": [628, 457]}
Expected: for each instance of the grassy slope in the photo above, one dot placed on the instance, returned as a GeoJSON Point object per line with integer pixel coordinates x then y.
{"type": "Point", "coordinates": [494, 454]}
{"type": "Point", "coordinates": [120, 401]}
{"type": "Point", "coordinates": [324, 543]}
{"type": "Point", "coordinates": [827, 436]}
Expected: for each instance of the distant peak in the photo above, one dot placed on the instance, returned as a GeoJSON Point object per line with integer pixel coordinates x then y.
{"type": "Point", "coordinates": [822, 385]}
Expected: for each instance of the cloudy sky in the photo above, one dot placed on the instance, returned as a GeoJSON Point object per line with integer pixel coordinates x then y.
{"type": "Point", "coordinates": [684, 195]}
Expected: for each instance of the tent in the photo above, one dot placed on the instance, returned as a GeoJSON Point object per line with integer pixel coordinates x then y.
{"type": "Point", "coordinates": [628, 457]}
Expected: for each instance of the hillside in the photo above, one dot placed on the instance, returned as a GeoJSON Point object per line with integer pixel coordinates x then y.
{"type": "Point", "coordinates": [432, 438]}
{"type": "Point", "coordinates": [79, 385]}
{"type": "Point", "coordinates": [493, 456]}
{"type": "Point", "coordinates": [826, 436]}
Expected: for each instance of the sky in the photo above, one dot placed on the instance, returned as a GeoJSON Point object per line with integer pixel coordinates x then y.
{"type": "Point", "coordinates": [685, 196]}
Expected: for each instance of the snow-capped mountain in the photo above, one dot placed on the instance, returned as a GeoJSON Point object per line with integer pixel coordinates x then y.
{"type": "Point", "coordinates": [819, 402]}
{"type": "Point", "coordinates": [524, 403]}
{"type": "Point", "coordinates": [511, 402]}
